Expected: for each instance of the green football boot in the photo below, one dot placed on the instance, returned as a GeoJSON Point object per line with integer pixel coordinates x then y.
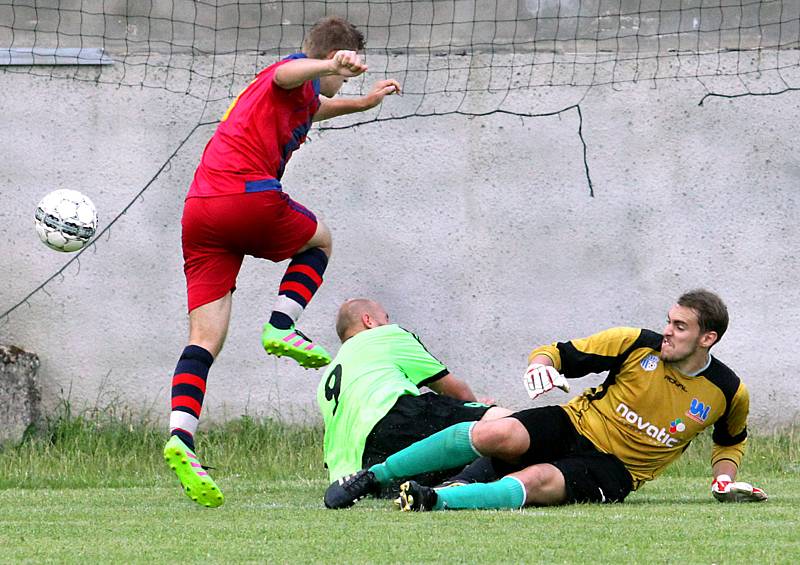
{"type": "Point", "coordinates": [294, 344]}
{"type": "Point", "coordinates": [197, 483]}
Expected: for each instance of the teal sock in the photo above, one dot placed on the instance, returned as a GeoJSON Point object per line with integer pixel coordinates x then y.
{"type": "Point", "coordinates": [446, 449]}
{"type": "Point", "coordinates": [505, 493]}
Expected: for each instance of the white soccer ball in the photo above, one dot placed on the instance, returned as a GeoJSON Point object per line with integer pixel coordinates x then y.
{"type": "Point", "coordinates": [66, 220]}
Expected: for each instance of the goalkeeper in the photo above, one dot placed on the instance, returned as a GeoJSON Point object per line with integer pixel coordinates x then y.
{"type": "Point", "coordinates": [236, 207]}
{"type": "Point", "coordinates": [370, 395]}
{"type": "Point", "coordinates": [661, 391]}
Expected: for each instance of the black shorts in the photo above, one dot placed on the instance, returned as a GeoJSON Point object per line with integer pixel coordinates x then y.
{"type": "Point", "coordinates": [590, 474]}
{"type": "Point", "coordinates": [411, 419]}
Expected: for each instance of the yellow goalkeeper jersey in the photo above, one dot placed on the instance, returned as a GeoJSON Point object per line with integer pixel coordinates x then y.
{"type": "Point", "coordinates": [646, 411]}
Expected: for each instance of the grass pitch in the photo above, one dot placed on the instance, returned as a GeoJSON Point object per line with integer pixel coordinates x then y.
{"type": "Point", "coordinates": [98, 491]}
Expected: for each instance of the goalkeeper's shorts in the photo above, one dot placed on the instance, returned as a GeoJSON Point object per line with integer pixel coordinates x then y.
{"type": "Point", "coordinates": [412, 419]}
{"type": "Point", "coordinates": [590, 475]}
{"type": "Point", "coordinates": [219, 231]}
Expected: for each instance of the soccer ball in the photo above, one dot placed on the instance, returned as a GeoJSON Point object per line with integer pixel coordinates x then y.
{"type": "Point", "coordinates": [66, 220]}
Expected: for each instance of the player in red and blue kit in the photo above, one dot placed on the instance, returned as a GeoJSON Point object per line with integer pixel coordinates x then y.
{"type": "Point", "coordinates": [236, 207]}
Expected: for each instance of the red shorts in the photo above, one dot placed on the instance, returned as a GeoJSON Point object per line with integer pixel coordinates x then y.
{"type": "Point", "coordinates": [219, 231]}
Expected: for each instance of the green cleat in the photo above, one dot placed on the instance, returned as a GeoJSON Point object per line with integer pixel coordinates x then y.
{"type": "Point", "coordinates": [197, 483]}
{"type": "Point", "coordinates": [294, 344]}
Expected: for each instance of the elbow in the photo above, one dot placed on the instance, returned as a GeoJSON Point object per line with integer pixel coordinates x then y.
{"type": "Point", "coordinates": [282, 81]}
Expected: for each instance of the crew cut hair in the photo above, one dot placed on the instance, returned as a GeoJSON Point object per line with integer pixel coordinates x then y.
{"type": "Point", "coordinates": [350, 314]}
{"type": "Point", "coordinates": [332, 33]}
{"type": "Point", "coordinates": [712, 314]}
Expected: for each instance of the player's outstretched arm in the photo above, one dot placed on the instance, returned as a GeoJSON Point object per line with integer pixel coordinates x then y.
{"type": "Point", "coordinates": [725, 489]}
{"type": "Point", "coordinates": [332, 107]}
{"type": "Point", "coordinates": [541, 377]}
{"type": "Point", "coordinates": [296, 72]}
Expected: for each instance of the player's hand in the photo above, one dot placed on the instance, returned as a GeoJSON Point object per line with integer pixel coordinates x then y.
{"type": "Point", "coordinates": [542, 378]}
{"type": "Point", "coordinates": [726, 490]}
{"type": "Point", "coordinates": [348, 64]}
{"type": "Point", "coordinates": [380, 90]}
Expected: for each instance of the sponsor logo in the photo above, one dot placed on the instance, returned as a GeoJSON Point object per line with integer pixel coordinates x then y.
{"type": "Point", "coordinates": [651, 430]}
{"type": "Point", "coordinates": [649, 363]}
{"type": "Point", "coordinates": [698, 411]}
{"type": "Point", "coordinates": [676, 425]}
{"type": "Point", "coordinates": [674, 382]}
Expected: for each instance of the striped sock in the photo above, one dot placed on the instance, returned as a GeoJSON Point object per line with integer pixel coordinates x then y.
{"type": "Point", "coordinates": [301, 280]}
{"type": "Point", "coordinates": [188, 390]}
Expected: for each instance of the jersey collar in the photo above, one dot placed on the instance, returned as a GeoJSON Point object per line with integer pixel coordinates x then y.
{"type": "Point", "coordinates": [702, 369]}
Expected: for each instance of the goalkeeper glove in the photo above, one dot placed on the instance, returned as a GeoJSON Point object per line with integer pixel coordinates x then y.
{"type": "Point", "coordinates": [542, 378]}
{"type": "Point", "coordinates": [726, 490]}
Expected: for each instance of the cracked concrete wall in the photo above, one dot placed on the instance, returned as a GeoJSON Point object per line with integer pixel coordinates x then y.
{"type": "Point", "coordinates": [479, 233]}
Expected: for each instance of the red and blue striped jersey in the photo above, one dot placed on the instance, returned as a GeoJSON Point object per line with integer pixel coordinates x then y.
{"type": "Point", "coordinates": [256, 136]}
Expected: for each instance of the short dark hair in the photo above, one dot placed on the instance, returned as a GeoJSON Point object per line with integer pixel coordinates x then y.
{"type": "Point", "coordinates": [712, 314]}
{"type": "Point", "coordinates": [332, 33]}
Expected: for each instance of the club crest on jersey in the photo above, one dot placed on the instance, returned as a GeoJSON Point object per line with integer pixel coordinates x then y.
{"type": "Point", "coordinates": [649, 363]}
{"type": "Point", "coordinates": [698, 411]}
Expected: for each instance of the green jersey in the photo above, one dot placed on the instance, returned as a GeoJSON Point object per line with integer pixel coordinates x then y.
{"type": "Point", "coordinates": [371, 371]}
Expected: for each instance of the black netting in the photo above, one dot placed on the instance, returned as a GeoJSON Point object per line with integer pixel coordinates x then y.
{"type": "Point", "coordinates": [450, 55]}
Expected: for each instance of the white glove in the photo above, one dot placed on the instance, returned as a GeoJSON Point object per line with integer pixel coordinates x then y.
{"type": "Point", "coordinates": [726, 490]}
{"type": "Point", "coordinates": [540, 378]}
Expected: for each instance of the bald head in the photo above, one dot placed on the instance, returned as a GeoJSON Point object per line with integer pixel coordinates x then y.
{"type": "Point", "coordinates": [357, 315]}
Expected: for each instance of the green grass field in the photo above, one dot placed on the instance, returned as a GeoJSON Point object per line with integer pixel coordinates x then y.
{"type": "Point", "coordinates": [96, 490]}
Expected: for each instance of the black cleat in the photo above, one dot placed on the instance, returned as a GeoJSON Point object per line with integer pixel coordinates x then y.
{"type": "Point", "coordinates": [348, 490]}
{"type": "Point", "coordinates": [416, 498]}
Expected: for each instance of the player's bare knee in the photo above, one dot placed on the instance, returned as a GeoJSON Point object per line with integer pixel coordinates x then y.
{"type": "Point", "coordinates": [505, 438]}
{"type": "Point", "coordinates": [208, 324]}
{"type": "Point", "coordinates": [544, 484]}
{"type": "Point", "coordinates": [321, 239]}
{"type": "Point", "coordinates": [542, 477]}
{"type": "Point", "coordinates": [210, 341]}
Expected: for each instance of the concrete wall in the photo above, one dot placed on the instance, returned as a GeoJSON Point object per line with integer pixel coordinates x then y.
{"type": "Point", "coordinates": [478, 233]}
